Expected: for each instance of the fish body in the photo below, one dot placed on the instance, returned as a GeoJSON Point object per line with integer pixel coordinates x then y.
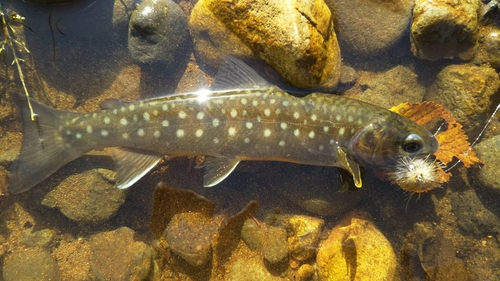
{"type": "Point", "coordinates": [242, 118]}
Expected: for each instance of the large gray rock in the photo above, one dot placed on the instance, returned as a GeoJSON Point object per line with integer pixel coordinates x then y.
{"type": "Point", "coordinates": [489, 174]}
{"type": "Point", "coordinates": [369, 28]}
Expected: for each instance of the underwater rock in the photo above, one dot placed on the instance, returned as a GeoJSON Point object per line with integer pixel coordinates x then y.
{"type": "Point", "coordinates": [304, 240]}
{"type": "Point", "coordinates": [40, 238]}
{"type": "Point", "coordinates": [86, 197]}
{"type": "Point", "coordinates": [249, 270]}
{"type": "Point", "coordinates": [305, 272]}
{"type": "Point", "coordinates": [444, 29]}
{"type": "Point", "coordinates": [370, 28]}
{"type": "Point", "coordinates": [251, 234]}
{"type": "Point", "coordinates": [30, 264]}
{"type": "Point", "coordinates": [317, 191]}
{"type": "Point", "coordinates": [489, 174]}
{"type": "Point", "coordinates": [190, 234]}
{"type": "Point", "coordinates": [472, 217]}
{"type": "Point", "coordinates": [356, 250]}
{"type": "Point", "coordinates": [295, 37]}
{"type": "Point", "coordinates": [429, 255]}
{"type": "Point", "coordinates": [274, 244]}
{"type": "Point", "coordinates": [490, 37]}
{"type": "Point", "coordinates": [466, 91]}
{"type": "Point", "coordinates": [390, 88]}
{"type": "Point", "coordinates": [73, 259]}
{"type": "Point", "coordinates": [158, 32]}
{"type": "Point", "coordinates": [115, 255]}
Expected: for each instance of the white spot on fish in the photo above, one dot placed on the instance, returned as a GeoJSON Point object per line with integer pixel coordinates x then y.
{"type": "Point", "coordinates": [94, 115]}
{"type": "Point", "coordinates": [272, 101]}
{"type": "Point", "coordinates": [164, 107]}
{"type": "Point", "coordinates": [104, 133]}
{"type": "Point", "coordinates": [134, 117]}
{"type": "Point", "coordinates": [350, 118]}
{"type": "Point", "coordinates": [106, 120]}
{"type": "Point", "coordinates": [249, 125]}
{"type": "Point", "coordinates": [115, 111]}
{"type": "Point", "coordinates": [244, 112]}
{"type": "Point", "coordinates": [89, 129]}
{"type": "Point", "coordinates": [283, 125]}
{"type": "Point", "coordinates": [78, 135]}
{"type": "Point", "coordinates": [296, 115]}
{"type": "Point", "coordinates": [311, 134]}
{"type": "Point", "coordinates": [314, 117]}
{"type": "Point", "coordinates": [140, 132]}
{"type": "Point", "coordinates": [68, 132]}
{"type": "Point", "coordinates": [199, 133]}
{"type": "Point", "coordinates": [165, 123]}
{"type": "Point", "coordinates": [326, 129]}
{"type": "Point", "coordinates": [122, 109]}
{"type": "Point", "coordinates": [282, 143]}
{"type": "Point", "coordinates": [296, 132]}
{"type": "Point", "coordinates": [255, 103]}
{"type": "Point", "coordinates": [131, 107]}
{"type": "Point", "coordinates": [125, 135]}
{"type": "Point", "coordinates": [215, 122]}
{"type": "Point", "coordinates": [156, 134]}
{"type": "Point", "coordinates": [155, 112]}
{"type": "Point", "coordinates": [338, 117]}
{"type": "Point", "coordinates": [145, 116]}
{"type": "Point", "coordinates": [216, 140]}
{"type": "Point", "coordinates": [231, 131]}
{"type": "Point", "coordinates": [341, 131]}
{"type": "Point", "coordinates": [244, 101]}
{"type": "Point", "coordinates": [182, 114]}
{"type": "Point", "coordinates": [267, 112]}
{"type": "Point", "coordinates": [234, 113]}
{"type": "Point", "coordinates": [200, 115]}
{"type": "Point", "coordinates": [180, 133]}
{"type": "Point", "coordinates": [285, 103]}
{"type": "Point", "coordinates": [321, 147]}
{"type": "Point", "coordinates": [267, 133]}
{"type": "Point", "coordinates": [223, 111]}
{"type": "Point", "coordinates": [123, 121]}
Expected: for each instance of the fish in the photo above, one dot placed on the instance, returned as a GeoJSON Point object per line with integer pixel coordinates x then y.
{"type": "Point", "coordinates": [241, 117]}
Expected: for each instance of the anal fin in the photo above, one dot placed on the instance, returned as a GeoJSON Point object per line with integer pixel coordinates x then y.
{"type": "Point", "coordinates": [350, 165]}
{"type": "Point", "coordinates": [132, 165]}
{"type": "Point", "coordinates": [217, 169]}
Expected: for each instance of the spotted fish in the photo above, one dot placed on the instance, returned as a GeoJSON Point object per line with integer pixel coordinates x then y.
{"type": "Point", "coordinates": [242, 117]}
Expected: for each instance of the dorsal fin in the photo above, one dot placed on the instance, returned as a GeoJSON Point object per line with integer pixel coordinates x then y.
{"type": "Point", "coordinates": [235, 74]}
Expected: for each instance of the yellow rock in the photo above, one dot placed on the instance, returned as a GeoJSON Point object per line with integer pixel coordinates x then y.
{"type": "Point", "coordinates": [295, 37]}
{"type": "Point", "coordinates": [356, 250]}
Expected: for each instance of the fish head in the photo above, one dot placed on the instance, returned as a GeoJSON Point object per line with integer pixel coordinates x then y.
{"type": "Point", "coordinates": [389, 137]}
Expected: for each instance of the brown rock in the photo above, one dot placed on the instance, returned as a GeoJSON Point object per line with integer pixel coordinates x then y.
{"type": "Point", "coordinates": [444, 29]}
{"type": "Point", "coordinates": [356, 250]}
{"type": "Point", "coordinates": [466, 91]}
{"type": "Point", "coordinates": [305, 53]}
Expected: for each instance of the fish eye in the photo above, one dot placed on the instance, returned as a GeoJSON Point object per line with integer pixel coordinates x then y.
{"type": "Point", "coordinates": [412, 143]}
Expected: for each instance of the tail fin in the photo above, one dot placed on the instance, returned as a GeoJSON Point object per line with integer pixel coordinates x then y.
{"type": "Point", "coordinates": [43, 152]}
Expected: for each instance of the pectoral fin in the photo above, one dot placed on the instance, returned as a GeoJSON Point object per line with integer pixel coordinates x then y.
{"type": "Point", "coordinates": [217, 169]}
{"type": "Point", "coordinates": [350, 165]}
{"type": "Point", "coordinates": [132, 165]}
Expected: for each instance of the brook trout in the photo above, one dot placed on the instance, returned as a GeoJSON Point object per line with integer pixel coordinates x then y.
{"type": "Point", "coordinates": [242, 117]}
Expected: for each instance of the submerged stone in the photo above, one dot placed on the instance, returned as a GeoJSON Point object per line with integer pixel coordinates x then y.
{"type": "Point", "coordinates": [115, 255]}
{"type": "Point", "coordinates": [30, 264]}
{"type": "Point", "coordinates": [295, 37]}
{"type": "Point", "coordinates": [274, 244]}
{"type": "Point", "coordinates": [489, 174]}
{"type": "Point", "coordinates": [465, 90]}
{"type": "Point", "coordinates": [303, 242]}
{"type": "Point", "coordinates": [190, 234]}
{"type": "Point", "coordinates": [356, 250]}
{"type": "Point", "coordinates": [444, 29]}
{"type": "Point", "coordinates": [370, 28]}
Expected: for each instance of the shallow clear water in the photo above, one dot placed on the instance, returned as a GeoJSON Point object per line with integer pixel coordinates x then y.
{"type": "Point", "coordinates": [69, 227]}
